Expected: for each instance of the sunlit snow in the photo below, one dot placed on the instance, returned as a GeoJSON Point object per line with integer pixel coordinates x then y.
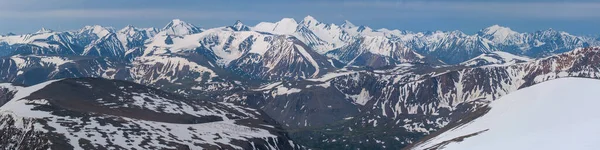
{"type": "Point", "coordinates": [557, 114]}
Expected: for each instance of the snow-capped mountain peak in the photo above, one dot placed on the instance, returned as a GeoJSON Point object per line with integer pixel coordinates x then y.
{"type": "Point", "coordinates": [284, 26]}
{"type": "Point", "coordinates": [498, 33]}
{"type": "Point", "coordinates": [98, 30]}
{"type": "Point", "coordinates": [347, 24]}
{"type": "Point", "coordinates": [239, 26]}
{"type": "Point", "coordinates": [497, 28]}
{"type": "Point", "coordinates": [287, 22]}
{"type": "Point", "coordinates": [177, 21]}
{"type": "Point", "coordinates": [495, 58]}
{"type": "Point", "coordinates": [132, 30]}
{"type": "Point", "coordinates": [44, 30]}
{"type": "Point", "coordinates": [129, 29]}
{"type": "Point", "coordinates": [354, 30]}
{"type": "Point", "coordinates": [180, 28]}
{"type": "Point", "coordinates": [309, 21]}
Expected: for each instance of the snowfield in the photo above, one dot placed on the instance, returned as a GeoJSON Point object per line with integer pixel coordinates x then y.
{"type": "Point", "coordinates": [557, 114]}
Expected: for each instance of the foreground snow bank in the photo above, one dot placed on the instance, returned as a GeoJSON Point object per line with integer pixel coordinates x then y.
{"type": "Point", "coordinates": [557, 114]}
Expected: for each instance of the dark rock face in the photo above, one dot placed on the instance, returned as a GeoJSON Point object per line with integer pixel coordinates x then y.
{"type": "Point", "coordinates": [112, 114]}
{"type": "Point", "coordinates": [7, 92]}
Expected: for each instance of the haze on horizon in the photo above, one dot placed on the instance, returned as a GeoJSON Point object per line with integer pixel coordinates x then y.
{"type": "Point", "coordinates": [577, 17]}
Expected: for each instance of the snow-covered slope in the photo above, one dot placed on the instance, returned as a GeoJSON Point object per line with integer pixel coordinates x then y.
{"type": "Point", "coordinates": [411, 100]}
{"type": "Point", "coordinates": [285, 58]}
{"type": "Point", "coordinates": [497, 58]}
{"type": "Point", "coordinates": [375, 51]}
{"type": "Point", "coordinates": [106, 46]}
{"type": "Point", "coordinates": [239, 26]}
{"type": "Point", "coordinates": [182, 74]}
{"type": "Point", "coordinates": [89, 113]}
{"type": "Point", "coordinates": [249, 53]}
{"type": "Point", "coordinates": [452, 47]}
{"type": "Point", "coordinates": [285, 26]}
{"type": "Point", "coordinates": [133, 39]}
{"type": "Point", "coordinates": [225, 44]}
{"type": "Point", "coordinates": [179, 28]}
{"type": "Point", "coordinates": [557, 114]}
{"type": "Point", "coordinates": [42, 42]}
{"type": "Point", "coordinates": [34, 69]}
{"type": "Point", "coordinates": [501, 35]}
{"type": "Point", "coordinates": [89, 34]}
{"type": "Point", "coordinates": [320, 36]}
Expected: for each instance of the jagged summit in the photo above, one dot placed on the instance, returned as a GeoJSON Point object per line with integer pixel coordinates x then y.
{"type": "Point", "coordinates": [348, 24]}
{"type": "Point", "coordinates": [44, 30]}
{"type": "Point", "coordinates": [238, 23]}
{"type": "Point", "coordinates": [176, 22]}
{"type": "Point", "coordinates": [97, 30]}
{"type": "Point", "coordinates": [495, 58]}
{"type": "Point", "coordinates": [128, 29]}
{"type": "Point", "coordinates": [309, 20]}
{"type": "Point", "coordinates": [452, 47]}
{"type": "Point", "coordinates": [180, 28]}
{"type": "Point", "coordinates": [239, 26]}
{"type": "Point", "coordinates": [284, 26]}
{"type": "Point", "coordinates": [96, 27]}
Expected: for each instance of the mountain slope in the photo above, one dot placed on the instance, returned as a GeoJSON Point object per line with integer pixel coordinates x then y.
{"type": "Point", "coordinates": [133, 40]}
{"type": "Point", "coordinates": [98, 113]}
{"type": "Point", "coordinates": [106, 46]}
{"type": "Point", "coordinates": [46, 42]}
{"type": "Point", "coordinates": [497, 58]}
{"type": "Point", "coordinates": [7, 92]}
{"type": "Point", "coordinates": [34, 69]}
{"type": "Point", "coordinates": [528, 119]}
{"type": "Point", "coordinates": [412, 101]}
{"type": "Point", "coordinates": [179, 28]}
{"type": "Point", "coordinates": [375, 52]}
{"type": "Point", "coordinates": [286, 58]}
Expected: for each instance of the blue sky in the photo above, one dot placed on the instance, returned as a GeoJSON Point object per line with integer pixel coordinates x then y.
{"type": "Point", "coordinates": [581, 17]}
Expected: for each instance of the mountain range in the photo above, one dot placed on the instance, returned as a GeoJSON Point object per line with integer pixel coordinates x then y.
{"type": "Point", "coordinates": [348, 43]}
{"type": "Point", "coordinates": [302, 84]}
